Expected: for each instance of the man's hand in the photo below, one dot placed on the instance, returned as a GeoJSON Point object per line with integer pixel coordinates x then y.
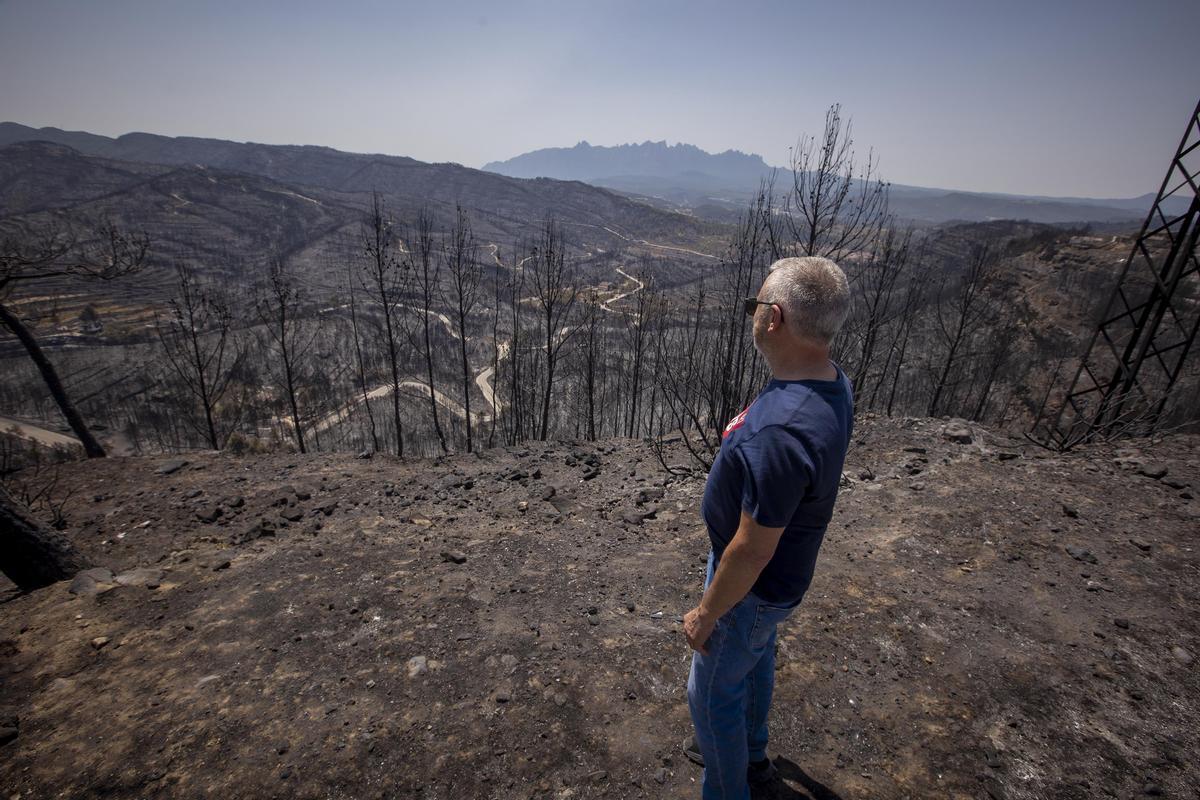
{"type": "Point", "coordinates": [744, 559]}
{"type": "Point", "coordinates": [697, 628]}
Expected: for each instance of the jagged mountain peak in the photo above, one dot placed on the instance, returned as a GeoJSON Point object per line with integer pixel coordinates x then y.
{"type": "Point", "coordinates": [587, 162]}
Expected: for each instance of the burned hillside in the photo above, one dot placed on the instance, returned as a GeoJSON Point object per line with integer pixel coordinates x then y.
{"type": "Point", "coordinates": [988, 619]}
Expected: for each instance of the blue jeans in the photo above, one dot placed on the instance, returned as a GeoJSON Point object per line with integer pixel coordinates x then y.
{"type": "Point", "coordinates": [729, 693]}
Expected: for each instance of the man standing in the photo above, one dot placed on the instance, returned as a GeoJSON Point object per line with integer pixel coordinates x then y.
{"type": "Point", "coordinates": [767, 502]}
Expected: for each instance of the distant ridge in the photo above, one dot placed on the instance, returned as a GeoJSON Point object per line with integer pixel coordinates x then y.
{"type": "Point", "coordinates": [586, 162]}
{"type": "Point", "coordinates": [192, 193]}
{"type": "Point", "coordinates": [719, 185]}
{"type": "Point", "coordinates": [673, 178]}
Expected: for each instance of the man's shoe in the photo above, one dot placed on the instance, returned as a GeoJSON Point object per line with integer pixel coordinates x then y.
{"type": "Point", "coordinates": [759, 772]}
{"type": "Point", "coordinates": [692, 750]}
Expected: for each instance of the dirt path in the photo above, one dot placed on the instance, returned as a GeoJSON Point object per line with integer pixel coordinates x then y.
{"type": "Point", "coordinates": [605, 305]}
{"type": "Point", "coordinates": [383, 390]}
{"type": "Point", "coordinates": [38, 434]}
{"type": "Point", "coordinates": [645, 243]}
{"type": "Point", "coordinates": [495, 248]}
{"type": "Point", "coordinates": [484, 380]}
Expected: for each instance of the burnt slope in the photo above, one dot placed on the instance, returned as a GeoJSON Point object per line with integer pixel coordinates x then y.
{"type": "Point", "coordinates": [512, 205]}
{"type": "Point", "coordinates": [987, 620]}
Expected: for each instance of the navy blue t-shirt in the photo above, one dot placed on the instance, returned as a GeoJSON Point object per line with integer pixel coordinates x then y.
{"type": "Point", "coordinates": [781, 462]}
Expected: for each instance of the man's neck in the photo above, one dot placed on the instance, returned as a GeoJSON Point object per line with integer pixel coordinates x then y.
{"type": "Point", "coordinates": [804, 365]}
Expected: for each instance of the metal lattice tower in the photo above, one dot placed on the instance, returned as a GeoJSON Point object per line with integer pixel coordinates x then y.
{"type": "Point", "coordinates": [1133, 362]}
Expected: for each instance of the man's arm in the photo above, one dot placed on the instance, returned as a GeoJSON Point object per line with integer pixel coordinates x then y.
{"type": "Point", "coordinates": [747, 554]}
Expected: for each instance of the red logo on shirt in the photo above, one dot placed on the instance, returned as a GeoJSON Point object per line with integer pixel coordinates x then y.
{"type": "Point", "coordinates": [736, 422]}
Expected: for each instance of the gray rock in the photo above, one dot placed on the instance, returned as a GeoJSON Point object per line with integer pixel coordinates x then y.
{"type": "Point", "coordinates": [454, 556]}
{"type": "Point", "coordinates": [561, 504]}
{"type": "Point", "coordinates": [1081, 554]}
{"type": "Point", "coordinates": [1141, 544]}
{"type": "Point", "coordinates": [957, 432]}
{"type": "Point", "coordinates": [1154, 469]}
{"type": "Point", "coordinates": [93, 581]}
{"type": "Point", "coordinates": [142, 576]}
{"type": "Point", "coordinates": [1070, 511]}
{"type": "Point", "coordinates": [455, 481]}
{"type": "Point", "coordinates": [258, 528]}
{"type": "Point", "coordinates": [649, 494]}
{"type": "Point", "coordinates": [168, 467]}
{"type": "Point", "coordinates": [1181, 655]}
{"type": "Point", "coordinates": [209, 513]}
{"type": "Point", "coordinates": [632, 517]}
{"type": "Point", "coordinates": [417, 666]}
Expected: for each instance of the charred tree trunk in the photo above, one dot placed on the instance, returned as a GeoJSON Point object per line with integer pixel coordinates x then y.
{"type": "Point", "coordinates": [90, 445]}
{"type": "Point", "coordinates": [32, 554]}
{"type": "Point", "coordinates": [427, 283]}
{"type": "Point", "coordinates": [362, 371]}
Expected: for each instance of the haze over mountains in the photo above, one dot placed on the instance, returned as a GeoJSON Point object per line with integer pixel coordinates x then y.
{"type": "Point", "coordinates": [717, 185]}
{"type": "Point", "coordinates": [679, 177]}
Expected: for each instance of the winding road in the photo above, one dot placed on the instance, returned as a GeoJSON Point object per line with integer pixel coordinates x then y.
{"type": "Point", "coordinates": [114, 442]}
{"type": "Point", "coordinates": [623, 295]}
{"type": "Point", "coordinates": [483, 378]}
{"type": "Point", "coordinates": [37, 434]}
{"type": "Point", "coordinates": [648, 244]}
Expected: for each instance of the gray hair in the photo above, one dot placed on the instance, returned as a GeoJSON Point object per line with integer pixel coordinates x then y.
{"type": "Point", "coordinates": [813, 293]}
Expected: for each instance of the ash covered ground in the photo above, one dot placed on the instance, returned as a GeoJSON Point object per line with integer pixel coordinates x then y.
{"type": "Point", "coordinates": [988, 620]}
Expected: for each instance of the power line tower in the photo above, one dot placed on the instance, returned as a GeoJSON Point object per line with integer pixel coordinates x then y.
{"type": "Point", "coordinates": [1128, 375]}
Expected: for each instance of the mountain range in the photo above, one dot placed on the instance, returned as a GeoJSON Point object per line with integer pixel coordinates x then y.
{"type": "Point", "coordinates": [198, 195]}
{"type": "Point", "coordinates": [719, 185]}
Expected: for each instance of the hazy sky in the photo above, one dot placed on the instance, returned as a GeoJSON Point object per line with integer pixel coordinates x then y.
{"type": "Point", "coordinates": [1049, 97]}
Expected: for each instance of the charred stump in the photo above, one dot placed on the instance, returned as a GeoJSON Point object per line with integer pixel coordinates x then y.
{"type": "Point", "coordinates": [33, 554]}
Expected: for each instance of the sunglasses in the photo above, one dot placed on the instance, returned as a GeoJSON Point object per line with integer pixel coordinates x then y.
{"type": "Point", "coordinates": [751, 304]}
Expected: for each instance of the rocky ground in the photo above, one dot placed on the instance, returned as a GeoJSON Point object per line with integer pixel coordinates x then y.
{"type": "Point", "coordinates": [988, 620]}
